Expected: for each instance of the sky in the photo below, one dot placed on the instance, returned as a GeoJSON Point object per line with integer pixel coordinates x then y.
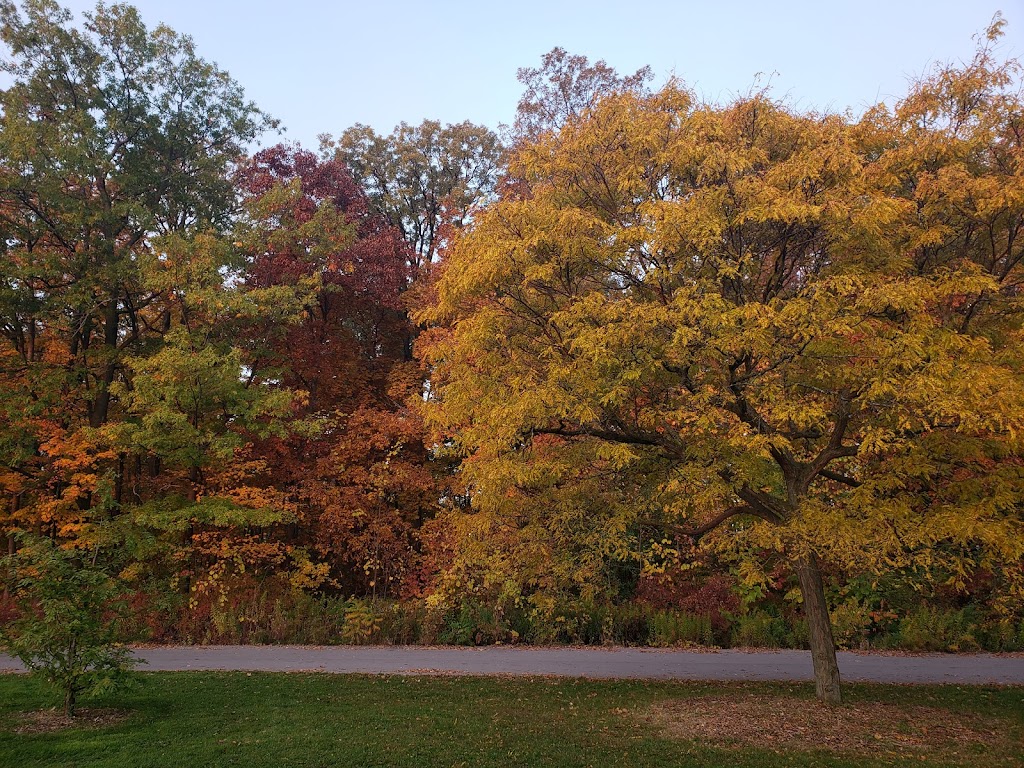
{"type": "Point", "coordinates": [320, 67]}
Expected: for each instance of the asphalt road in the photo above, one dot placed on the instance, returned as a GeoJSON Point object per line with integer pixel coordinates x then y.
{"type": "Point", "coordinates": [633, 663]}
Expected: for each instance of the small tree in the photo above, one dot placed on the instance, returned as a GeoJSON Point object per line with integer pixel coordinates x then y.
{"type": "Point", "coordinates": [67, 628]}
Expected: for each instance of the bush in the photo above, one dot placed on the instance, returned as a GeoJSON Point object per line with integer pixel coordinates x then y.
{"type": "Point", "coordinates": [404, 623]}
{"type": "Point", "coordinates": [1003, 634]}
{"type": "Point", "coordinates": [759, 629]}
{"type": "Point", "coordinates": [669, 628]}
{"type": "Point", "coordinates": [800, 633]}
{"type": "Point", "coordinates": [629, 625]}
{"type": "Point", "coordinates": [935, 629]}
{"type": "Point", "coordinates": [67, 628]}
{"type": "Point", "coordinates": [271, 611]}
{"type": "Point", "coordinates": [851, 623]}
{"type": "Point", "coordinates": [693, 592]}
{"type": "Point", "coordinates": [362, 623]}
{"type": "Point", "coordinates": [475, 623]}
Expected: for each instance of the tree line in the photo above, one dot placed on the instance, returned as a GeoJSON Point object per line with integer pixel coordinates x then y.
{"type": "Point", "coordinates": [637, 338]}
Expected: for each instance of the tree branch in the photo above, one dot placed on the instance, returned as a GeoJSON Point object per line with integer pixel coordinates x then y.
{"type": "Point", "coordinates": [701, 530]}
{"type": "Point", "coordinates": [602, 434]}
{"type": "Point", "coordinates": [839, 478]}
{"type": "Point", "coordinates": [762, 504]}
{"type": "Point", "coordinates": [728, 514]}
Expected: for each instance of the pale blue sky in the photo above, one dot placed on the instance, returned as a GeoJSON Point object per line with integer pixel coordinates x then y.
{"type": "Point", "coordinates": [322, 66]}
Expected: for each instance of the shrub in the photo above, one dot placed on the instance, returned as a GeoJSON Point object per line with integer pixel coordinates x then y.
{"type": "Point", "coordinates": [630, 625]}
{"type": "Point", "coordinates": [759, 629]}
{"type": "Point", "coordinates": [362, 623]}
{"type": "Point", "coordinates": [669, 628]}
{"type": "Point", "coordinates": [851, 624]}
{"type": "Point", "coordinates": [403, 623]}
{"type": "Point", "coordinates": [475, 623]}
{"type": "Point", "coordinates": [1002, 634]}
{"type": "Point", "coordinates": [800, 632]}
{"type": "Point", "coordinates": [67, 628]}
{"type": "Point", "coordinates": [694, 592]}
{"type": "Point", "coordinates": [935, 629]}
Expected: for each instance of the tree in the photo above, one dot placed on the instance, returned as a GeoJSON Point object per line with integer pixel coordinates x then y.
{"type": "Point", "coordinates": [423, 179]}
{"type": "Point", "coordinates": [564, 88]}
{"type": "Point", "coordinates": [68, 627]}
{"type": "Point", "coordinates": [720, 305]}
{"type": "Point", "coordinates": [360, 479]}
{"type": "Point", "coordinates": [111, 134]}
{"type": "Point", "coordinates": [200, 395]}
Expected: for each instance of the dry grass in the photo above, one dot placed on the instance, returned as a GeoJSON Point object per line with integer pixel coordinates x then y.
{"type": "Point", "coordinates": [790, 723]}
{"type": "Point", "coordinates": [52, 720]}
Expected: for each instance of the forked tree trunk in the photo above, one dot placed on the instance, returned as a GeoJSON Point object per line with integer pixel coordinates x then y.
{"type": "Point", "coordinates": [823, 647]}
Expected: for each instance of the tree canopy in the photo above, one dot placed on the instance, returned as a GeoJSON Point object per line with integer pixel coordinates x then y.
{"type": "Point", "coordinates": [748, 347]}
{"type": "Point", "coordinates": [796, 330]}
{"type": "Point", "coordinates": [111, 135]}
{"type": "Point", "coordinates": [425, 179]}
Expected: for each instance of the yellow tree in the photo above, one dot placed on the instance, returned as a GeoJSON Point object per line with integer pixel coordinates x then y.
{"type": "Point", "coordinates": [722, 306]}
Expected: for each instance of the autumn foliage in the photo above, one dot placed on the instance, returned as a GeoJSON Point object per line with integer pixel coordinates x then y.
{"type": "Point", "coordinates": [737, 362]}
{"type": "Point", "coordinates": [357, 469]}
{"type": "Point", "coordinates": [789, 333]}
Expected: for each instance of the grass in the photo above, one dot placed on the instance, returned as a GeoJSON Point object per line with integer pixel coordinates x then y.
{"type": "Point", "coordinates": [315, 720]}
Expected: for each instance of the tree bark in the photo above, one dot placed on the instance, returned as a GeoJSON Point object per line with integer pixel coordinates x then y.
{"type": "Point", "coordinates": [71, 684]}
{"type": "Point", "coordinates": [101, 405]}
{"type": "Point", "coordinates": [69, 702]}
{"type": "Point", "coordinates": [11, 549]}
{"type": "Point", "coordinates": [823, 647]}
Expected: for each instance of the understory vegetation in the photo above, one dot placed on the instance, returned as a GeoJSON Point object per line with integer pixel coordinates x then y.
{"type": "Point", "coordinates": [899, 620]}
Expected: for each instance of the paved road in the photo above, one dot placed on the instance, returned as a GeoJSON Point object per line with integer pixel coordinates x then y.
{"type": "Point", "coordinates": [633, 663]}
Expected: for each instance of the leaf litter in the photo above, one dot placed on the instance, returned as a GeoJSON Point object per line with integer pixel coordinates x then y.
{"type": "Point", "coordinates": [791, 723]}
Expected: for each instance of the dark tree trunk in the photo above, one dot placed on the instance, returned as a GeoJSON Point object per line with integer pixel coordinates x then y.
{"type": "Point", "coordinates": [101, 405]}
{"type": "Point", "coordinates": [69, 702]}
{"type": "Point", "coordinates": [823, 647]}
{"type": "Point", "coordinates": [119, 482]}
{"type": "Point", "coordinates": [11, 549]}
{"type": "Point", "coordinates": [71, 689]}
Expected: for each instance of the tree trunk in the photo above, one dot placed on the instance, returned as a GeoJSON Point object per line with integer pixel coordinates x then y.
{"type": "Point", "coordinates": [69, 702]}
{"type": "Point", "coordinates": [101, 405]}
{"type": "Point", "coordinates": [11, 549]}
{"type": "Point", "coordinates": [119, 482]}
{"type": "Point", "coordinates": [823, 647]}
{"type": "Point", "coordinates": [71, 684]}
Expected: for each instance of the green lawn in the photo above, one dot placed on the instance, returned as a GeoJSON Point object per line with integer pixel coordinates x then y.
{"type": "Point", "coordinates": [228, 719]}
